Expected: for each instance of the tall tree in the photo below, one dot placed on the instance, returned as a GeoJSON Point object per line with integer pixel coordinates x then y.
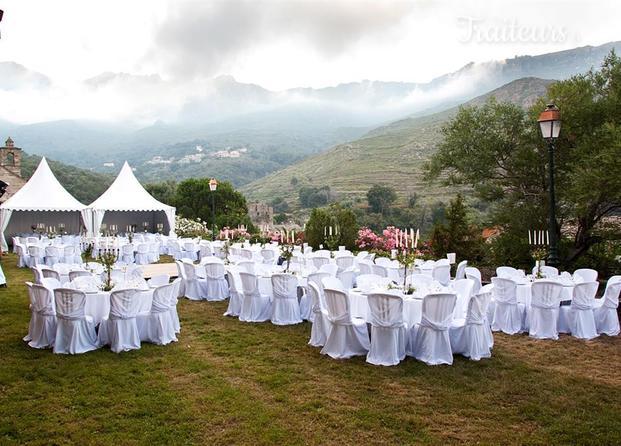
{"type": "Point", "coordinates": [380, 198]}
{"type": "Point", "coordinates": [498, 150]}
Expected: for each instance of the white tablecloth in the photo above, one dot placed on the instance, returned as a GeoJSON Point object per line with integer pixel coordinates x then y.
{"type": "Point", "coordinates": [412, 307]}
{"type": "Point", "coordinates": [524, 292]}
{"type": "Point", "coordinates": [98, 304]}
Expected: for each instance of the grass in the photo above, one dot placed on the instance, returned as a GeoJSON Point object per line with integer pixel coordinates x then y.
{"type": "Point", "coordinates": [227, 382]}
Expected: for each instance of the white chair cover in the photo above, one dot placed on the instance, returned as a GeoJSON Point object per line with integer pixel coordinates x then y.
{"type": "Point", "coordinates": [120, 329]}
{"type": "Point", "coordinates": [75, 331]}
{"type": "Point", "coordinates": [578, 319]}
{"type": "Point", "coordinates": [127, 253]}
{"type": "Point", "coordinates": [429, 340]}
{"type": "Point", "coordinates": [269, 256]}
{"type": "Point", "coordinates": [71, 255]}
{"type": "Point", "coordinates": [50, 273]}
{"type": "Point", "coordinates": [542, 315]}
{"type": "Point", "coordinates": [460, 272]}
{"type": "Point", "coordinates": [547, 271]}
{"type": "Point", "coordinates": [285, 306]}
{"type": "Point", "coordinates": [318, 262]}
{"type": "Point", "coordinates": [474, 274]}
{"type": "Point", "coordinates": [174, 299]}
{"type": "Point", "coordinates": [190, 251]}
{"type": "Point", "coordinates": [470, 337]}
{"type": "Point", "coordinates": [506, 272]}
{"type": "Point", "coordinates": [344, 262]}
{"type": "Point", "coordinates": [347, 278]}
{"type": "Point", "coordinates": [195, 288]}
{"type": "Point", "coordinates": [247, 266]}
{"type": "Point", "coordinates": [379, 270]}
{"type": "Point", "coordinates": [216, 286]}
{"type": "Point", "coordinates": [35, 255]}
{"type": "Point", "coordinates": [464, 289]}
{"type": "Point", "coordinates": [605, 309]}
{"type": "Point", "coordinates": [142, 254]}
{"type": "Point", "coordinates": [321, 324]}
{"type": "Point", "coordinates": [348, 336]}
{"type": "Point", "coordinates": [329, 268]}
{"type": "Point", "coordinates": [421, 281]}
{"type": "Point", "coordinates": [585, 275]}
{"type": "Point", "coordinates": [255, 306]}
{"type": "Point", "coordinates": [365, 267]}
{"type": "Point", "coordinates": [78, 273]}
{"type": "Point", "coordinates": [442, 274]}
{"type": "Point", "coordinates": [235, 294]}
{"type": "Point", "coordinates": [388, 331]}
{"type": "Point", "coordinates": [508, 313]}
{"type": "Point", "coordinates": [160, 328]}
{"type": "Point", "coordinates": [159, 280]}
{"type": "Point", "coordinates": [52, 255]}
{"type": "Point", "coordinates": [42, 327]}
{"type": "Point", "coordinates": [306, 301]}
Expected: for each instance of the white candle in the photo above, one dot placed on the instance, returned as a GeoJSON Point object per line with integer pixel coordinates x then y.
{"type": "Point", "coordinates": [330, 231]}
{"type": "Point", "coordinates": [547, 237]}
{"type": "Point", "coordinates": [529, 242]}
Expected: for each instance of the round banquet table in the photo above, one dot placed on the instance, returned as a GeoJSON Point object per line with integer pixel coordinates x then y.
{"type": "Point", "coordinates": [98, 303]}
{"type": "Point", "coordinates": [412, 306]}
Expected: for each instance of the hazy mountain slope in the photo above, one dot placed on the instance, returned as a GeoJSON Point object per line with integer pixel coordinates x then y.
{"type": "Point", "coordinates": [391, 155]}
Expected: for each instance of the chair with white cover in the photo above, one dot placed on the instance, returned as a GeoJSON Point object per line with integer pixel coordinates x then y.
{"type": "Point", "coordinates": [460, 272]}
{"type": "Point", "coordinates": [142, 254]}
{"type": "Point", "coordinates": [442, 273]}
{"type": "Point", "coordinates": [578, 318]}
{"type": "Point", "coordinates": [542, 315]}
{"type": "Point", "coordinates": [306, 303]}
{"type": "Point", "coordinates": [50, 273]}
{"type": "Point", "coordinates": [22, 256]}
{"type": "Point", "coordinates": [347, 278]}
{"type": "Point", "coordinates": [52, 255]}
{"type": "Point", "coordinates": [235, 294]}
{"type": "Point", "coordinates": [348, 336]}
{"type": "Point", "coordinates": [256, 307]}
{"type": "Point", "coordinates": [216, 286]}
{"type": "Point", "coordinates": [388, 331]}
{"type": "Point", "coordinates": [318, 261]}
{"type": "Point", "coordinates": [379, 270]}
{"type": "Point", "coordinates": [159, 280]}
{"type": "Point", "coordinates": [470, 336]}
{"type": "Point", "coordinates": [605, 309]}
{"type": "Point", "coordinates": [78, 273]}
{"type": "Point", "coordinates": [506, 272]}
{"type": "Point", "coordinates": [174, 249]}
{"type": "Point", "coordinates": [474, 274]}
{"type": "Point", "coordinates": [42, 327]}
{"type": "Point", "coordinates": [269, 256]}
{"type": "Point", "coordinates": [285, 306]}
{"type": "Point", "coordinates": [329, 268]}
{"type": "Point", "coordinates": [195, 288]}
{"type": "Point", "coordinates": [247, 266]}
{"type": "Point", "coordinates": [174, 300]}
{"type": "Point", "coordinates": [35, 255]}
{"type": "Point", "coordinates": [429, 340]}
{"type": "Point", "coordinates": [159, 327]}
{"type": "Point", "coordinates": [464, 289]}
{"type": "Point", "coordinates": [508, 313]}
{"type": "Point", "coordinates": [365, 267]}
{"type": "Point", "coordinates": [50, 283]}
{"type": "Point", "coordinates": [154, 252]}
{"type": "Point", "coordinates": [71, 255]}
{"type": "Point", "coordinates": [321, 324]}
{"type": "Point", "coordinates": [119, 329]}
{"type": "Point", "coordinates": [75, 331]}
{"type": "Point", "coordinates": [190, 251]}
{"type": "Point", "coordinates": [547, 271]}
{"type": "Point", "coordinates": [419, 281]}
{"type": "Point", "coordinates": [31, 240]}
{"type": "Point", "coordinates": [585, 275]}
{"type": "Point", "coordinates": [344, 262]}
{"type": "Point", "coordinates": [127, 253]}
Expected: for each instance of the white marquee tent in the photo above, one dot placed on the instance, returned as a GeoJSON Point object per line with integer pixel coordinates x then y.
{"type": "Point", "coordinates": [127, 202]}
{"type": "Point", "coordinates": [41, 199]}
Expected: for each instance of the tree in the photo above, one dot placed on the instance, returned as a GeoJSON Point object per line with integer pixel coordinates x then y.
{"type": "Point", "coordinates": [380, 198]}
{"type": "Point", "coordinates": [193, 200]}
{"type": "Point", "coordinates": [166, 191]}
{"type": "Point", "coordinates": [311, 197]}
{"type": "Point", "coordinates": [334, 215]}
{"type": "Point", "coordinates": [497, 149]}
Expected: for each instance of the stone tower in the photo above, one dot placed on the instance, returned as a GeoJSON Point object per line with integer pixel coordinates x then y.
{"type": "Point", "coordinates": [10, 169]}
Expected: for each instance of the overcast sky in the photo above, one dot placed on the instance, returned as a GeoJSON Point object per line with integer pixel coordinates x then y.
{"type": "Point", "coordinates": [283, 44]}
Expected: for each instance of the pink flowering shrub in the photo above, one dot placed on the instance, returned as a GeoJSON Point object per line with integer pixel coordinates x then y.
{"type": "Point", "coordinates": [387, 241]}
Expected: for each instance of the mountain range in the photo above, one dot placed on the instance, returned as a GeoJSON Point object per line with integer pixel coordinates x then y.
{"type": "Point", "coordinates": [242, 132]}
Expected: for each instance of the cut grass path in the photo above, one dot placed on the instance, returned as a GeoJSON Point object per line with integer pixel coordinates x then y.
{"type": "Point", "coordinates": [227, 382]}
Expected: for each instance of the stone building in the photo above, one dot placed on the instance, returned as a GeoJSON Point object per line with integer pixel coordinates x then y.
{"type": "Point", "coordinates": [10, 170]}
{"type": "Point", "coordinates": [260, 213]}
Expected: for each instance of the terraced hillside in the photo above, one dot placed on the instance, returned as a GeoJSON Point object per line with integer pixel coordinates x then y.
{"type": "Point", "coordinates": [392, 155]}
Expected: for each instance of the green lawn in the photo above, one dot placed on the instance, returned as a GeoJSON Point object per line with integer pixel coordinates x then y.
{"type": "Point", "coordinates": [227, 382]}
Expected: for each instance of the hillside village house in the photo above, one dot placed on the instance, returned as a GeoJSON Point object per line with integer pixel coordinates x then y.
{"type": "Point", "coordinates": [10, 169]}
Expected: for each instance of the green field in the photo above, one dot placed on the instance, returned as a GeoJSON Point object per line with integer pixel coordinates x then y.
{"type": "Point", "coordinates": [228, 382]}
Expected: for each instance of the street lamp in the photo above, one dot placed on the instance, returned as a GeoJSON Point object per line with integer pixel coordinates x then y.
{"type": "Point", "coordinates": [213, 185]}
{"type": "Point", "coordinates": [550, 123]}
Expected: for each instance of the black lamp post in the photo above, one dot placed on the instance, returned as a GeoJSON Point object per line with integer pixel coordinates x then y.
{"type": "Point", "coordinates": [213, 185]}
{"type": "Point", "coordinates": [550, 123]}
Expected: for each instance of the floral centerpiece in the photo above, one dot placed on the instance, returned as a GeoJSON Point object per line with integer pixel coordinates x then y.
{"type": "Point", "coordinates": [407, 258]}
{"type": "Point", "coordinates": [107, 259]}
{"type": "Point", "coordinates": [226, 250]}
{"type": "Point", "coordinates": [539, 254]}
{"type": "Point", "coordinates": [286, 253]}
{"type": "Point", "coordinates": [87, 253]}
